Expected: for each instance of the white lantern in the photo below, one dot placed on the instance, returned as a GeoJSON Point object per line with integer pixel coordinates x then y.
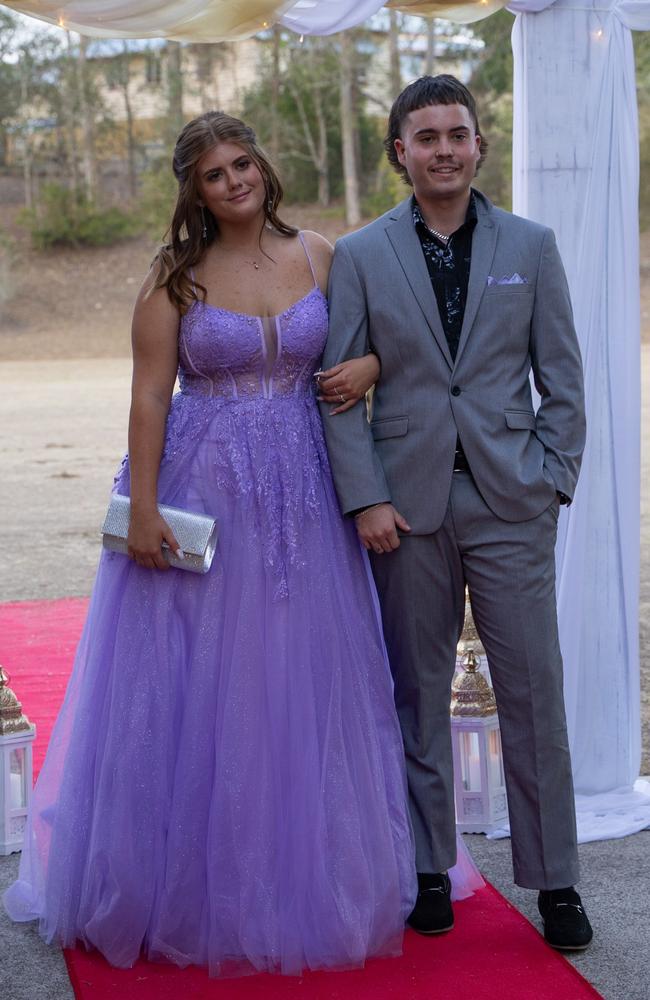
{"type": "Point", "coordinates": [16, 738]}
{"type": "Point", "coordinates": [479, 782]}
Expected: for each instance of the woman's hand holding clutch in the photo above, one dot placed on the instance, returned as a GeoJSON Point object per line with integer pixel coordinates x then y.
{"type": "Point", "coordinates": [344, 385]}
{"type": "Point", "coordinates": [147, 532]}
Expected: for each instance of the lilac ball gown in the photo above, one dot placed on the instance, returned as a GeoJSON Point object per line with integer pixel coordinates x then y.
{"type": "Point", "coordinates": [225, 783]}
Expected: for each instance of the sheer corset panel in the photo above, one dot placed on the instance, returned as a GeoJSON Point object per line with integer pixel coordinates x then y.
{"type": "Point", "coordinates": [237, 356]}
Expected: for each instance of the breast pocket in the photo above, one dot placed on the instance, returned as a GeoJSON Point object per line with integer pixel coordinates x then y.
{"type": "Point", "coordinates": [389, 427]}
{"type": "Point", "coordinates": [523, 288]}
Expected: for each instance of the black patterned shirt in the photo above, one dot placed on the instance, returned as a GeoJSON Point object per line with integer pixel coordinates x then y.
{"type": "Point", "coordinates": [448, 266]}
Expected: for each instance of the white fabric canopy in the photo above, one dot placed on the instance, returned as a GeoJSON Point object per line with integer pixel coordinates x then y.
{"type": "Point", "coordinates": [576, 169]}
{"type": "Point", "coordinates": [217, 20]}
{"type": "Point", "coordinates": [185, 20]}
{"type": "Point", "coordinates": [327, 16]}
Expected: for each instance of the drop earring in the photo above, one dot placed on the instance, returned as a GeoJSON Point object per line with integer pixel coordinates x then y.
{"type": "Point", "coordinates": [204, 231]}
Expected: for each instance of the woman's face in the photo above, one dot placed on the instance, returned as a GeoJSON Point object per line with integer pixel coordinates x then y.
{"type": "Point", "coordinates": [230, 184]}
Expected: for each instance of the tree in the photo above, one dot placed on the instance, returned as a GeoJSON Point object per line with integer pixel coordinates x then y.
{"type": "Point", "coordinates": [312, 83]}
{"type": "Point", "coordinates": [275, 92]}
{"type": "Point", "coordinates": [119, 73]}
{"type": "Point", "coordinates": [37, 99]}
{"type": "Point", "coordinates": [431, 47]}
{"type": "Point", "coordinates": [85, 100]}
{"type": "Point", "coordinates": [491, 83]}
{"type": "Point", "coordinates": [350, 166]}
{"type": "Point", "coordinates": [10, 82]}
{"type": "Point", "coordinates": [300, 85]}
{"type": "Point", "coordinates": [306, 78]}
{"type": "Point", "coordinates": [642, 58]}
{"type": "Point", "coordinates": [493, 73]}
{"type": "Point", "coordinates": [395, 70]}
{"type": "Point", "coordinates": [175, 118]}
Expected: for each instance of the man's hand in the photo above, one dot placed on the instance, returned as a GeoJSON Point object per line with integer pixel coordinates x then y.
{"type": "Point", "coordinates": [377, 527]}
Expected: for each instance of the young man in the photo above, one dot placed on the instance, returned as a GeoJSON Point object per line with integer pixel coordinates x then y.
{"type": "Point", "coordinates": [457, 480]}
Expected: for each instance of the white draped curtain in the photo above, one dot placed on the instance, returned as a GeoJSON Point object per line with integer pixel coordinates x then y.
{"type": "Point", "coordinates": [575, 169]}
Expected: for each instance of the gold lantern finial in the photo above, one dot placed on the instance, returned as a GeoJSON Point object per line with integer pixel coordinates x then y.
{"type": "Point", "coordinates": [12, 718]}
{"type": "Point", "coordinates": [471, 695]}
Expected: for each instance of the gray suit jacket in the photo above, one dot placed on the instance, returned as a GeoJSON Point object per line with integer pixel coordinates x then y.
{"type": "Point", "coordinates": [381, 297]}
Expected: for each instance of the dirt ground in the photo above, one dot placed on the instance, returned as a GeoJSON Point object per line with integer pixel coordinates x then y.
{"type": "Point", "coordinates": [69, 303]}
{"type": "Point", "coordinates": [64, 371]}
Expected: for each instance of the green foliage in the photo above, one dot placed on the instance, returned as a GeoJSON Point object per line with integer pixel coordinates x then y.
{"type": "Point", "coordinates": [63, 218]}
{"type": "Point", "coordinates": [9, 78]}
{"type": "Point", "coordinates": [388, 189]}
{"type": "Point", "coordinates": [494, 71]}
{"type": "Point", "coordinates": [491, 84]}
{"type": "Point", "coordinates": [8, 256]}
{"type": "Point", "coordinates": [495, 175]}
{"type": "Point", "coordinates": [642, 58]}
{"type": "Point", "coordinates": [156, 199]}
{"type": "Point", "coordinates": [9, 72]}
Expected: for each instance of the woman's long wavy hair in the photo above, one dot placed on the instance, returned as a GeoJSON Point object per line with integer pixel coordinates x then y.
{"type": "Point", "coordinates": [186, 243]}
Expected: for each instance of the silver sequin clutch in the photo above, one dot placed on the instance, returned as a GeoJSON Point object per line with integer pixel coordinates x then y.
{"type": "Point", "coordinates": [196, 533]}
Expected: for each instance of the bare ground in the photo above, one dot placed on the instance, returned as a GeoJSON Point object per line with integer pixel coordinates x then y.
{"type": "Point", "coordinates": [77, 303]}
{"type": "Point", "coordinates": [64, 371]}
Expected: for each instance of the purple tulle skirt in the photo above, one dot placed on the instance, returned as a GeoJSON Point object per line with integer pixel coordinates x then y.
{"type": "Point", "coordinates": [225, 782]}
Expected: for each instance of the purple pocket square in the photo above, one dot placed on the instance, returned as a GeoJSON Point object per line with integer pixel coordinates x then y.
{"type": "Point", "coordinates": [514, 279]}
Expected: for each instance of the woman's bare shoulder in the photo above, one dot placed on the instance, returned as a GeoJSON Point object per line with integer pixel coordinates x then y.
{"type": "Point", "coordinates": [318, 245]}
{"type": "Point", "coordinates": [321, 252]}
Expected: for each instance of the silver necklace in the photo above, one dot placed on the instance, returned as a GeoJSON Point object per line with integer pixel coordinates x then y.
{"type": "Point", "coordinates": [441, 236]}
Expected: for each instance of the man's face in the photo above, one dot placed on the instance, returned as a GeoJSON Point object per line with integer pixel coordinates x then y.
{"type": "Point", "coordinates": [440, 150]}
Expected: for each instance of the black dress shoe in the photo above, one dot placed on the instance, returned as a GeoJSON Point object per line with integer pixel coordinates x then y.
{"type": "Point", "coordinates": [432, 913]}
{"type": "Point", "coordinates": [566, 926]}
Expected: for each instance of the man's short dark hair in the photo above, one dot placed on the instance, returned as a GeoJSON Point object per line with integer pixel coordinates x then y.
{"type": "Point", "coordinates": [442, 89]}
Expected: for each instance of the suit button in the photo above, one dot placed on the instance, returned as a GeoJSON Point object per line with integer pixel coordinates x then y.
{"type": "Point", "coordinates": [455, 390]}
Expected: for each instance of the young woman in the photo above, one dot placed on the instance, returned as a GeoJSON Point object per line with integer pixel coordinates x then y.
{"type": "Point", "coordinates": [225, 783]}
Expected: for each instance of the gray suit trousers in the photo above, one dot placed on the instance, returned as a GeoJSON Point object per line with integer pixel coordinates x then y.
{"type": "Point", "coordinates": [510, 570]}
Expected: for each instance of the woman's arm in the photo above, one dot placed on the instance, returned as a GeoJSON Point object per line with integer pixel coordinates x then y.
{"type": "Point", "coordinates": [155, 360]}
{"type": "Point", "coordinates": [345, 384]}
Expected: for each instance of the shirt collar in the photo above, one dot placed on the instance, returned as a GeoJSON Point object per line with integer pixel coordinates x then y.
{"type": "Point", "coordinates": [471, 216]}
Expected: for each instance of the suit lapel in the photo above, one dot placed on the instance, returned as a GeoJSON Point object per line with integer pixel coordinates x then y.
{"type": "Point", "coordinates": [404, 240]}
{"type": "Point", "coordinates": [484, 243]}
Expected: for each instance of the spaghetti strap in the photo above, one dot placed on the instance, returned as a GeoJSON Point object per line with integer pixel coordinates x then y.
{"type": "Point", "coordinates": [193, 280]}
{"type": "Point", "coordinates": [309, 260]}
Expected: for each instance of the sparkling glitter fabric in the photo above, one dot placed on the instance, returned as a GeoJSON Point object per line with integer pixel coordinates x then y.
{"type": "Point", "coordinates": [225, 781]}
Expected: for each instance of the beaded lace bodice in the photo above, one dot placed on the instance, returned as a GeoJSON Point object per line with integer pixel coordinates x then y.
{"type": "Point", "coordinates": [236, 356]}
{"type": "Point", "coordinates": [246, 423]}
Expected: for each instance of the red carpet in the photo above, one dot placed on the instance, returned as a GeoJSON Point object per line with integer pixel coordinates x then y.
{"type": "Point", "coordinates": [493, 953]}
{"type": "Point", "coordinates": [37, 645]}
